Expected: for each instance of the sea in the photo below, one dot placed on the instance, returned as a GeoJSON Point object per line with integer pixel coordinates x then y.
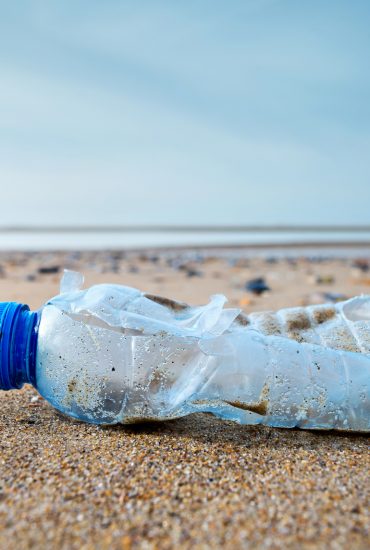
{"type": "Point", "coordinates": [32, 239]}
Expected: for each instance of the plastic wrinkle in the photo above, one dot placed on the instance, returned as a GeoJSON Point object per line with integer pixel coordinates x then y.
{"type": "Point", "coordinates": [128, 308]}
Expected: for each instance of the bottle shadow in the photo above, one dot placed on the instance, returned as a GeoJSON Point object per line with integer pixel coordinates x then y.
{"type": "Point", "coordinates": [209, 430]}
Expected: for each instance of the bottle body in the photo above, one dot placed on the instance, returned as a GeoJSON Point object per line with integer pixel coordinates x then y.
{"type": "Point", "coordinates": [108, 375]}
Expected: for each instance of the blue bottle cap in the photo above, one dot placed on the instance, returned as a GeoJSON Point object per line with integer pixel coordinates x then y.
{"type": "Point", "coordinates": [18, 345]}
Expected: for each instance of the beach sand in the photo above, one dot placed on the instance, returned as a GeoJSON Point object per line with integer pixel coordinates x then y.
{"type": "Point", "coordinates": [197, 482]}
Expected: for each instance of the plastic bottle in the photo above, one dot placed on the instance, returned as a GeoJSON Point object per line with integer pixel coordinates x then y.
{"type": "Point", "coordinates": [113, 354]}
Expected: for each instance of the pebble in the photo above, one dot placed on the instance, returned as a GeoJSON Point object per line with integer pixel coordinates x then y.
{"type": "Point", "coordinates": [325, 279]}
{"type": "Point", "coordinates": [334, 297]}
{"type": "Point", "coordinates": [257, 286]}
{"type": "Point", "coordinates": [363, 264]}
{"type": "Point", "coordinates": [190, 272]}
{"type": "Point", "coordinates": [48, 270]}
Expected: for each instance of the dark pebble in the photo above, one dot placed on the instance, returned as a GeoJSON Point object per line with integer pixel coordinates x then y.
{"type": "Point", "coordinates": [193, 273]}
{"type": "Point", "coordinates": [48, 270]}
{"type": "Point", "coordinates": [334, 297]}
{"type": "Point", "coordinates": [257, 286]}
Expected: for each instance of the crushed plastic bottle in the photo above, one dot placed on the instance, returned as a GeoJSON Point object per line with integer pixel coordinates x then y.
{"type": "Point", "coordinates": [112, 354]}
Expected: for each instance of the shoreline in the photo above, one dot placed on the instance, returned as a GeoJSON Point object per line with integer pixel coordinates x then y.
{"type": "Point", "coordinates": [144, 238]}
{"type": "Point", "coordinates": [362, 247]}
{"type": "Point", "coordinates": [174, 228]}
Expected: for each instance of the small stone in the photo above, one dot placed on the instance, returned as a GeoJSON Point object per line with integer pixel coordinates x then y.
{"type": "Point", "coordinates": [257, 286]}
{"type": "Point", "coordinates": [48, 270]}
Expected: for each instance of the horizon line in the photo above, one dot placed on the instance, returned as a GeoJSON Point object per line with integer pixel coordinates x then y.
{"type": "Point", "coordinates": [162, 228]}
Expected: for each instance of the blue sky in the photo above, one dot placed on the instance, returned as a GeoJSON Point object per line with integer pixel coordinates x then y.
{"type": "Point", "coordinates": [251, 111]}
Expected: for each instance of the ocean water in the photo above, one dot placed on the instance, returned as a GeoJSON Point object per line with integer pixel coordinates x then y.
{"type": "Point", "coordinates": [120, 239]}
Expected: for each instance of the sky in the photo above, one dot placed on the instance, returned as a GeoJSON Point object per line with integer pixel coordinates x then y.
{"type": "Point", "coordinates": [185, 112]}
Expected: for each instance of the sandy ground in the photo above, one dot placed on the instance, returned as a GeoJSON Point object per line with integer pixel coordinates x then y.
{"type": "Point", "coordinates": [197, 482]}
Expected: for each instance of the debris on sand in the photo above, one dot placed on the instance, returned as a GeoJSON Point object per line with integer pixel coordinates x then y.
{"type": "Point", "coordinates": [257, 286]}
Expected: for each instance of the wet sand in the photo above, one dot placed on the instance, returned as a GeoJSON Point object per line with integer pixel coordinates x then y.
{"type": "Point", "coordinates": [197, 482]}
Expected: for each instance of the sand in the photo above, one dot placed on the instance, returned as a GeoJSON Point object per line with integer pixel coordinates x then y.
{"type": "Point", "coordinates": [197, 482]}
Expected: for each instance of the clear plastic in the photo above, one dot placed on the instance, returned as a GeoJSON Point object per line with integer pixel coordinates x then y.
{"type": "Point", "coordinates": [113, 354]}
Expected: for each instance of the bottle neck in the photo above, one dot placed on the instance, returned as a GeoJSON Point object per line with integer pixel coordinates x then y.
{"type": "Point", "coordinates": [18, 345]}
